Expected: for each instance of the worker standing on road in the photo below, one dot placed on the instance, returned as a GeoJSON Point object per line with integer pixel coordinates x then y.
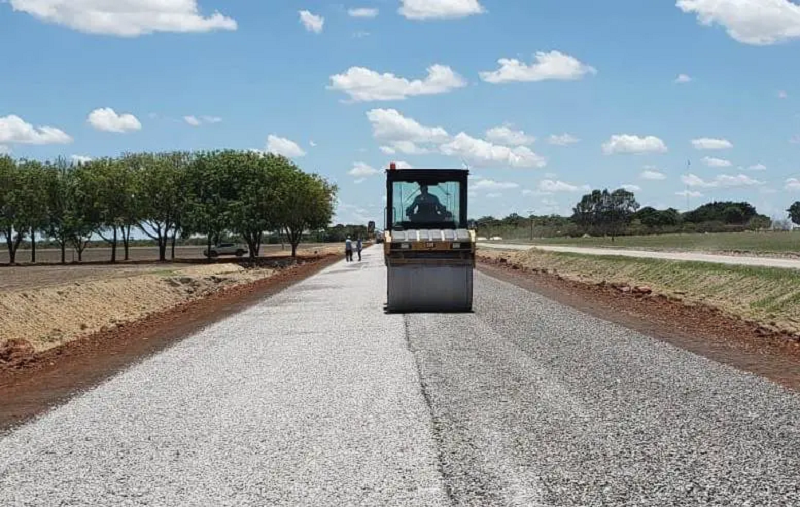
{"type": "Point", "coordinates": [348, 249]}
{"type": "Point", "coordinates": [358, 248]}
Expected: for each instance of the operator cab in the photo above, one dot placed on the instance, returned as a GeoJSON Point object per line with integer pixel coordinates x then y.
{"type": "Point", "coordinates": [426, 199]}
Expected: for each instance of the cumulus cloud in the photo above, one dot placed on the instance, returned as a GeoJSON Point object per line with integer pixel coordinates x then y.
{"type": "Point", "coordinates": [439, 9]}
{"type": "Point", "coordinates": [283, 146]}
{"type": "Point", "coordinates": [130, 18]}
{"type": "Point", "coordinates": [15, 130]}
{"type": "Point", "coordinates": [562, 140]}
{"type": "Point", "coordinates": [391, 125]}
{"type": "Point", "coordinates": [757, 167]}
{"type": "Point", "coordinates": [682, 79]}
{"type": "Point", "coordinates": [481, 153]}
{"type": "Point", "coordinates": [554, 65]}
{"type": "Point", "coordinates": [406, 147]}
{"type": "Point", "coordinates": [362, 170]}
{"type": "Point", "coordinates": [756, 22]}
{"type": "Point", "coordinates": [363, 84]}
{"type": "Point", "coordinates": [196, 121]}
{"type": "Point", "coordinates": [722, 180]}
{"type": "Point", "coordinates": [81, 159]}
{"type": "Point", "coordinates": [792, 184]}
{"type": "Point", "coordinates": [716, 162]}
{"type": "Point", "coordinates": [312, 22]}
{"type": "Point", "coordinates": [631, 188]}
{"type": "Point", "coordinates": [705, 143]}
{"type": "Point", "coordinates": [626, 143]}
{"type": "Point", "coordinates": [653, 175]}
{"type": "Point", "coordinates": [504, 135]}
{"type": "Point", "coordinates": [493, 185]}
{"type": "Point", "coordinates": [363, 12]}
{"type": "Point", "coordinates": [107, 120]}
{"type": "Point", "coordinates": [554, 186]}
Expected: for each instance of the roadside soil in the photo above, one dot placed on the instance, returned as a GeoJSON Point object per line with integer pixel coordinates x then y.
{"type": "Point", "coordinates": [31, 383]}
{"type": "Point", "coordinates": [701, 329]}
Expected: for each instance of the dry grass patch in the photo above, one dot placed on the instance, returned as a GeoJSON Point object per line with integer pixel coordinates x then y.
{"type": "Point", "coordinates": [49, 316]}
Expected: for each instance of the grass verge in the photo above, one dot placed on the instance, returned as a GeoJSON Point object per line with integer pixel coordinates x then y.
{"type": "Point", "coordinates": [767, 296]}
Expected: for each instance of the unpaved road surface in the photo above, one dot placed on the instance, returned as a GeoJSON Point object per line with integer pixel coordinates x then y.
{"type": "Point", "coordinates": [315, 397]}
{"type": "Point", "coordinates": [773, 262]}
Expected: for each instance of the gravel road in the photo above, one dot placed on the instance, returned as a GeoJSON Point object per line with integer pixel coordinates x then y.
{"type": "Point", "coordinates": [648, 254]}
{"type": "Point", "coordinates": [315, 397]}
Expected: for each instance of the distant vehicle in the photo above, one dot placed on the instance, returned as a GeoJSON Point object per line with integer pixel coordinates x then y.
{"type": "Point", "coordinates": [496, 238]}
{"type": "Point", "coordinates": [481, 238]}
{"type": "Point", "coordinates": [226, 249]}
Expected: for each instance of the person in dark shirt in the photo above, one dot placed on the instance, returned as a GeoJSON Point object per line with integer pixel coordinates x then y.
{"type": "Point", "coordinates": [426, 207]}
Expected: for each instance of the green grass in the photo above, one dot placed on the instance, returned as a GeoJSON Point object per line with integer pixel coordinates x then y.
{"type": "Point", "coordinates": [753, 242]}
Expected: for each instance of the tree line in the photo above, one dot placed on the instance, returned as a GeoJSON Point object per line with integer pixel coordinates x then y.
{"type": "Point", "coordinates": [167, 196]}
{"type": "Point", "coordinates": [615, 213]}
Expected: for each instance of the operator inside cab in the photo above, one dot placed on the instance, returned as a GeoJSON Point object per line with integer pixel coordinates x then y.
{"type": "Point", "coordinates": [426, 207]}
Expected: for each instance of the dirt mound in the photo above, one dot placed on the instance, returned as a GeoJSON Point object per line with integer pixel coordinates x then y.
{"type": "Point", "coordinates": [16, 350]}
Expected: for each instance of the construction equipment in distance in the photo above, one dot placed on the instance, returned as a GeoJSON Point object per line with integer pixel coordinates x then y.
{"type": "Point", "coordinates": [429, 248]}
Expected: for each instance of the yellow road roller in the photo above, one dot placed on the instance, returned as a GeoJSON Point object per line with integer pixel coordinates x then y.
{"type": "Point", "coordinates": [429, 248]}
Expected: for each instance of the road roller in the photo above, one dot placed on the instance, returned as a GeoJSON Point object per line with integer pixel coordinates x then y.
{"type": "Point", "coordinates": [429, 246]}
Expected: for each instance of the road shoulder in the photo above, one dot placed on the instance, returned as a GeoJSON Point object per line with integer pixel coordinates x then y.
{"type": "Point", "coordinates": [701, 330]}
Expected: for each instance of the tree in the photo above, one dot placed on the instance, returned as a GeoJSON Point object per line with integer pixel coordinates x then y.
{"type": "Point", "coordinates": [84, 214]}
{"type": "Point", "coordinates": [211, 186]}
{"type": "Point", "coordinates": [303, 201]}
{"type": "Point", "coordinates": [601, 211]}
{"type": "Point", "coordinates": [57, 188]}
{"type": "Point", "coordinates": [158, 180]}
{"type": "Point", "coordinates": [33, 201]}
{"type": "Point", "coordinates": [12, 223]}
{"type": "Point", "coordinates": [794, 212]}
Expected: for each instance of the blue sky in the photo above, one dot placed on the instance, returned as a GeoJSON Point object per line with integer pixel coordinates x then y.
{"type": "Point", "coordinates": [343, 92]}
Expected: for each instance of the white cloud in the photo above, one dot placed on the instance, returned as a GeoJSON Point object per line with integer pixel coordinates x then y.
{"type": "Point", "coordinates": [192, 120]}
{"type": "Point", "coordinates": [402, 164]}
{"type": "Point", "coordinates": [211, 119]}
{"type": "Point", "coordinates": [363, 12]}
{"type": "Point", "coordinates": [312, 144]}
{"type": "Point", "coordinates": [706, 143]}
{"type": "Point", "coordinates": [390, 125]}
{"type": "Point", "coordinates": [362, 170]}
{"type": "Point", "coordinates": [494, 185]}
{"type": "Point", "coordinates": [549, 66]}
{"type": "Point", "coordinates": [792, 184]}
{"type": "Point", "coordinates": [757, 167]}
{"type": "Point", "coordinates": [562, 140]}
{"type": "Point", "coordinates": [782, 94]}
{"type": "Point", "coordinates": [504, 135]}
{"type": "Point", "coordinates": [363, 84]}
{"type": "Point", "coordinates": [81, 159]}
{"type": "Point", "coordinates": [406, 147]}
{"type": "Point", "coordinates": [625, 143]}
{"type": "Point", "coordinates": [312, 22]}
{"type": "Point", "coordinates": [439, 9]}
{"type": "Point", "coordinates": [757, 22]}
{"type": "Point", "coordinates": [283, 146]}
{"type": "Point", "coordinates": [722, 180]}
{"type": "Point", "coordinates": [631, 188]}
{"type": "Point", "coordinates": [107, 120]}
{"type": "Point", "coordinates": [15, 130]}
{"type": "Point", "coordinates": [683, 78]}
{"type": "Point", "coordinates": [129, 18]}
{"type": "Point", "coordinates": [716, 162]}
{"type": "Point", "coordinates": [689, 193]}
{"type": "Point", "coordinates": [551, 186]}
{"type": "Point", "coordinates": [652, 175]}
{"type": "Point", "coordinates": [483, 153]}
